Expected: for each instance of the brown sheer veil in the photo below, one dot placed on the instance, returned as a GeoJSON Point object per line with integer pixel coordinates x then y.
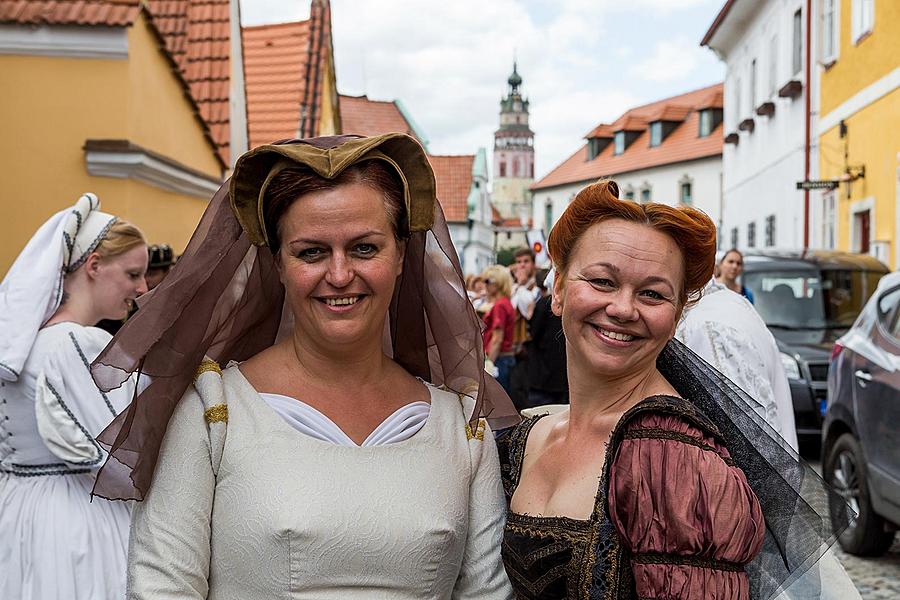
{"type": "Point", "coordinates": [224, 299]}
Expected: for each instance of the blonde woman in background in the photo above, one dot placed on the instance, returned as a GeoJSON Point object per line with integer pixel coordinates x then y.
{"type": "Point", "coordinates": [81, 266]}
{"type": "Point", "coordinates": [499, 322]}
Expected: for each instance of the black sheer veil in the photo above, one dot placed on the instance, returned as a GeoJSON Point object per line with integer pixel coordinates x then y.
{"type": "Point", "coordinates": [794, 498]}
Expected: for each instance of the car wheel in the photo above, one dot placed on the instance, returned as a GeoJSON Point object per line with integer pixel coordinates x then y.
{"type": "Point", "coordinates": [845, 469]}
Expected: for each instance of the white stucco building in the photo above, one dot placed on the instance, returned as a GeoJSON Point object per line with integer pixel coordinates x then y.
{"type": "Point", "coordinates": [763, 45]}
{"type": "Point", "coordinates": [462, 189]}
{"type": "Point", "coordinates": [669, 151]}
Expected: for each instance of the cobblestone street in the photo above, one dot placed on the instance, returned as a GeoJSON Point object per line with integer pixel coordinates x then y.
{"type": "Point", "coordinates": [875, 578]}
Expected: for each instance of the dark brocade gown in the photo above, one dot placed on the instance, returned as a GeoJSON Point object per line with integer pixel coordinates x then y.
{"type": "Point", "coordinates": [674, 518]}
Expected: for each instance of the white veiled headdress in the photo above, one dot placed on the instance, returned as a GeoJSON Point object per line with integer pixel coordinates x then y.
{"type": "Point", "coordinates": [32, 290]}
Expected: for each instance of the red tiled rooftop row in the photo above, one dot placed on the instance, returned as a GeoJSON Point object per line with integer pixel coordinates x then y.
{"type": "Point", "coordinates": [118, 13]}
{"type": "Point", "coordinates": [682, 144]}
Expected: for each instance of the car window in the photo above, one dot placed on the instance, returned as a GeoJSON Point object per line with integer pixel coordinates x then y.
{"type": "Point", "coordinates": [811, 299]}
{"type": "Point", "coordinates": [889, 312]}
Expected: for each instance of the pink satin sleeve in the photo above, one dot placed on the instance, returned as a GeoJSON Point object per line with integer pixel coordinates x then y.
{"type": "Point", "coordinates": [687, 515]}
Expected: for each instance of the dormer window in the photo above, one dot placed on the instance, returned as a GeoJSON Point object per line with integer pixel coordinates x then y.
{"type": "Point", "coordinates": [656, 133]}
{"type": "Point", "coordinates": [619, 141]}
{"type": "Point", "coordinates": [660, 130]}
{"type": "Point", "coordinates": [709, 120]}
{"type": "Point", "coordinates": [596, 145]}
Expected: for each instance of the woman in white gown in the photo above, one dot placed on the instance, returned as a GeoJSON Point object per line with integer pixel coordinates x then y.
{"type": "Point", "coordinates": [345, 457]}
{"type": "Point", "coordinates": [81, 266]}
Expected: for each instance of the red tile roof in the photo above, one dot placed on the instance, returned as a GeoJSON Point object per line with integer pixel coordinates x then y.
{"type": "Point", "coordinates": [363, 116]}
{"type": "Point", "coordinates": [284, 69]}
{"type": "Point", "coordinates": [275, 61]}
{"type": "Point", "coordinates": [680, 145]}
{"type": "Point", "coordinates": [197, 34]}
{"type": "Point", "coordinates": [668, 112]}
{"type": "Point", "coordinates": [114, 13]}
{"type": "Point", "coordinates": [601, 131]}
{"type": "Point", "coordinates": [630, 121]}
{"type": "Point", "coordinates": [453, 175]}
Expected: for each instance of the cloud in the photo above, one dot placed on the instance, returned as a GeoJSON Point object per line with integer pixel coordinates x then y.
{"type": "Point", "coordinates": [448, 61]}
{"type": "Point", "coordinates": [671, 60]}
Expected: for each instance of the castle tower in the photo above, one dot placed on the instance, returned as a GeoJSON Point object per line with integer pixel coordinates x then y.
{"type": "Point", "coordinates": [513, 154]}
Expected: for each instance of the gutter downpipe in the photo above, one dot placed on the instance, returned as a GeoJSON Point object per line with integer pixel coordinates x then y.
{"type": "Point", "coordinates": [807, 116]}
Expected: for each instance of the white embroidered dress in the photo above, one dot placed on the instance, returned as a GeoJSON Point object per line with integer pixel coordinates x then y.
{"type": "Point", "coordinates": [290, 514]}
{"type": "Point", "coordinates": [54, 542]}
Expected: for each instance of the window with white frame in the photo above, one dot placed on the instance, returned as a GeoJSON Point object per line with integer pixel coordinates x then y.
{"type": "Point", "coordinates": [751, 235]}
{"type": "Point", "coordinates": [548, 216]}
{"type": "Point", "coordinates": [773, 65]}
{"type": "Point", "coordinates": [687, 192]}
{"type": "Point", "coordinates": [734, 237]}
{"type": "Point", "coordinates": [770, 231]}
{"type": "Point", "coordinates": [830, 30]}
{"type": "Point", "coordinates": [863, 18]}
{"type": "Point", "coordinates": [656, 133]}
{"type": "Point", "coordinates": [827, 229]}
{"type": "Point", "coordinates": [629, 192]}
{"type": "Point", "coordinates": [619, 141]}
{"type": "Point", "coordinates": [797, 54]}
{"type": "Point", "coordinates": [645, 194]}
{"type": "Point", "coordinates": [752, 83]}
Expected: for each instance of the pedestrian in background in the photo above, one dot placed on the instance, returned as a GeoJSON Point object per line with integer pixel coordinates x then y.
{"type": "Point", "coordinates": [477, 292]}
{"type": "Point", "coordinates": [547, 381]}
{"type": "Point", "coordinates": [81, 266]}
{"type": "Point", "coordinates": [162, 258]}
{"type": "Point", "coordinates": [730, 268]}
{"type": "Point", "coordinates": [727, 332]}
{"type": "Point", "coordinates": [499, 322]}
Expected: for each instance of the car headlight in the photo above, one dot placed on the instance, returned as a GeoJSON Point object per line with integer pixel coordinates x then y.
{"type": "Point", "coordinates": [790, 366]}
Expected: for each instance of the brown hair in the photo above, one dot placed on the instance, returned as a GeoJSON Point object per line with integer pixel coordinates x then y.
{"type": "Point", "coordinates": [293, 182]}
{"type": "Point", "coordinates": [729, 251]}
{"type": "Point", "coordinates": [121, 237]}
{"type": "Point", "coordinates": [524, 251]}
{"type": "Point", "coordinates": [689, 228]}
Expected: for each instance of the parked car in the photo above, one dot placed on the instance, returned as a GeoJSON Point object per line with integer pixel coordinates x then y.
{"type": "Point", "coordinates": [861, 443]}
{"type": "Point", "coordinates": [808, 300]}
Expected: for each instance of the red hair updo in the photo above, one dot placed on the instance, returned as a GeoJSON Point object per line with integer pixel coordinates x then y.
{"type": "Point", "coordinates": [691, 229]}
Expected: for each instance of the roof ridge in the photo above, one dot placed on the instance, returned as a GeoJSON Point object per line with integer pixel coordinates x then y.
{"type": "Point", "coordinates": [273, 25]}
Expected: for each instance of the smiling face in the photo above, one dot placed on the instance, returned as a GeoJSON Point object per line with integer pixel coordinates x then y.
{"type": "Point", "coordinates": [339, 260]}
{"type": "Point", "coordinates": [118, 281]}
{"type": "Point", "coordinates": [619, 298]}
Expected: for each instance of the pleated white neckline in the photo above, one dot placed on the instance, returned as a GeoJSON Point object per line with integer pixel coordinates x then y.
{"type": "Point", "coordinates": [401, 425]}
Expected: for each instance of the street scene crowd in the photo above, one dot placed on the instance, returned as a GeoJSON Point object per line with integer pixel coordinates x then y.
{"type": "Point", "coordinates": [339, 366]}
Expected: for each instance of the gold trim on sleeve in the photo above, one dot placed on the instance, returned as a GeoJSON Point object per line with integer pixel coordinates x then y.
{"type": "Point", "coordinates": [217, 414]}
{"type": "Point", "coordinates": [206, 366]}
{"type": "Point", "coordinates": [478, 434]}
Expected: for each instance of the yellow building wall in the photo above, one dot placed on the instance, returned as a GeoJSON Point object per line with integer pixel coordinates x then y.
{"type": "Point", "coordinates": [868, 145]}
{"type": "Point", "coordinates": [859, 65]}
{"type": "Point", "coordinates": [873, 139]}
{"type": "Point", "coordinates": [51, 105]}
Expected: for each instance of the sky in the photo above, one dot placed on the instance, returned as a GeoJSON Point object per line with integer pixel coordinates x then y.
{"type": "Point", "coordinates": [583, 62]}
